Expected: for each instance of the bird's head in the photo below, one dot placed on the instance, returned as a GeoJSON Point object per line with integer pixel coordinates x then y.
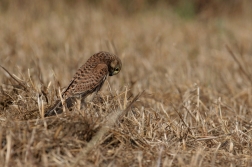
{"type": "Point", "coordinates": [115, 66]}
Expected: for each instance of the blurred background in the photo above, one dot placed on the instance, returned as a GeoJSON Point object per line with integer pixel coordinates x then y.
{"type": "Point", "coordinates": [175, 39]}
{"type": "Point", "coordinates": [193, 58]}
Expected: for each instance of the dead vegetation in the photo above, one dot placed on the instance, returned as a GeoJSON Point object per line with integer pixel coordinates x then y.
{"type": "Point", "coordinates": [183, 97]}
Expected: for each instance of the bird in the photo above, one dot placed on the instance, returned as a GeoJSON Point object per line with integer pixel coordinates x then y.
{"type": "Point", "coordinates": [88, 80]}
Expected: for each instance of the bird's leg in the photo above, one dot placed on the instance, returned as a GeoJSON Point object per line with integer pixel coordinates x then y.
{"type": "Point", "coordinates": [87, 99]}
{"type": "Point", "coordinates": [78, 102]}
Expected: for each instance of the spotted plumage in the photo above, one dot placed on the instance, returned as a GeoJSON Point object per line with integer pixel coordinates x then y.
{"type": "Point", "coordinates": [88, 79]}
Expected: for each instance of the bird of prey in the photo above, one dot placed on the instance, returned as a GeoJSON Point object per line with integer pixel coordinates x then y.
{"type": "Point", "coordinates": [88, 80]}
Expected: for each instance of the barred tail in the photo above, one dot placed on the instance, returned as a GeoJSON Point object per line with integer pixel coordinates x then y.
{"type": "Point", "coordinates": [58, 108]}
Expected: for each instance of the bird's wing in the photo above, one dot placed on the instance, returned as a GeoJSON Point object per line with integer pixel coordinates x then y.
{"type": "Point", "coordinates": [57, 107]}
{"type": "Point", "coordinates": [87, 83]}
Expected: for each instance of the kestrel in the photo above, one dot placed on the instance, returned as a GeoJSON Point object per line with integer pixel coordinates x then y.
{"type": "Point", "coordinates": [88, 79]}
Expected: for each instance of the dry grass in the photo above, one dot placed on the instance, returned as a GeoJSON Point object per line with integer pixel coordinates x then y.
{"type": "Point", "coordinates": [195, 111]}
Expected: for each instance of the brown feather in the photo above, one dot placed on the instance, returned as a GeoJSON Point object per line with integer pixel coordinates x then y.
{"type": "Point", "coordinates": [88, 79]}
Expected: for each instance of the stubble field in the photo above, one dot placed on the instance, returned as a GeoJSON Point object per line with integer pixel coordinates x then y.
{"type": "Point", "coordinates": [182, 98]}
